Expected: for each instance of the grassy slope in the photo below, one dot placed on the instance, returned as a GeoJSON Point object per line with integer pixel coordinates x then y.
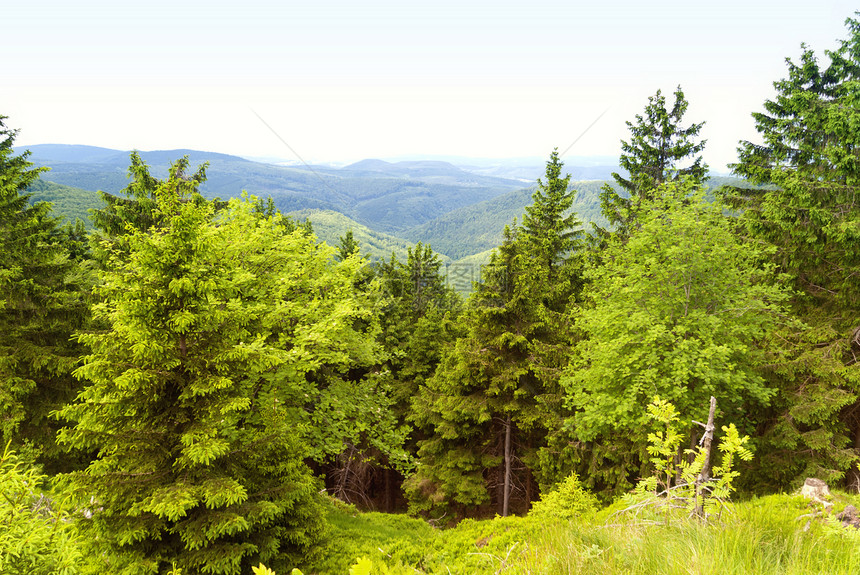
{"type": "Point", "coordinates": [763, 536]}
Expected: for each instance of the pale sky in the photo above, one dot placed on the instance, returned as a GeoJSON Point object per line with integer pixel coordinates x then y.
{"type": "Point", "coordinates": [343, 81]}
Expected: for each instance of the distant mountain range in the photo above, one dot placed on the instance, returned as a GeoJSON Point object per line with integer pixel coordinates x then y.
{"type": "Point", "coordinates": [389, 197]}
{"type": "Point", "coordinates": [460, 210]}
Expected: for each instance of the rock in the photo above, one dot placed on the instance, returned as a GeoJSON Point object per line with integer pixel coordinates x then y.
{"type": "Point", "coordinates": [848, 514]}
{"type": "Point", "coordinates": [848, 517]}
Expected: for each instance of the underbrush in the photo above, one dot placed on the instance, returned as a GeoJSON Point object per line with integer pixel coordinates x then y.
{"type": "Point", "coordinates": [564, 534]}
{"type": "Point", "coordinates": [778, 534]}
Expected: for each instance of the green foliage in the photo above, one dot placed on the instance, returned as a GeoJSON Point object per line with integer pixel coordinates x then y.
{"type": "Point", "coordinates": [499, 380]}
{"type": "Point", "coordinates": [663, 443]}
{"type": "Point", "coordinates": [41, 305]}
{"type": "Point", "coordinates": [568, 500]}
{"type": "Point", "coordinates": [549, 229]}
{"type": "Point", "coordinates": [809, 154]}
{"type": "Point", "coordinates": [731, 446]}
{"type": "Point", "coordinates": [347, 245]}
{"type": "Point", "coordinates": [681, 311]}
{"type": "Point", "coordinates": [414, 308]}
{"type": "Point", "coordinates": [657, 148]}
{"type": "Point", "coordinates": [137, 210]}
{"type": "Point", "coordinates": [220, 372]}
{"type": "Point", "coordinates": [700, 492]}
{"type": "Point", "coordinates": [417, 321]}
{"type": "Point", "coordinates": [267, 209]}
{"type": "Point", "coordinates": [795, 125]}
{"type": "Point", "coordinates": [36, 535]}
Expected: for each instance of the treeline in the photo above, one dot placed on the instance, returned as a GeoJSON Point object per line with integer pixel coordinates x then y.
{"type": "Point", "coordinates": [193, 372]}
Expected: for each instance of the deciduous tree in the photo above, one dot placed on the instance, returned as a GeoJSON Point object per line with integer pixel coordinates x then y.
{"type": "Point", "coordinates": [680, 311]}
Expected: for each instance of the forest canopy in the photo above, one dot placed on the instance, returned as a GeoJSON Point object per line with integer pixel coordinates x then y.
{"type": "Point", "coordinates": [197, 377]}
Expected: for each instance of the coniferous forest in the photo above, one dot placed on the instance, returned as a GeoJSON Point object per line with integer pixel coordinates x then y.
{"type": "Point", "coordinates": [198, 386]}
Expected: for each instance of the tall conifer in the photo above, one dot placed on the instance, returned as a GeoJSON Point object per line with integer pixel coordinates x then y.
{"type": "Point", "coordinates": [41, 305]}
{"type": "Point", "coordinates": [487, 409]}
{"type": "Point", "coordinates": [659, 145]}
{"type": "Point", "coordinates": [810, 213]}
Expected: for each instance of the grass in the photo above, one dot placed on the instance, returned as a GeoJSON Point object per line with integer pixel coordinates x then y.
{"type": "Point", "coordinates": [763, 536]}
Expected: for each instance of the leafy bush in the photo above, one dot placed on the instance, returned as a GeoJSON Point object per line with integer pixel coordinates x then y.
{"type": "Point", "coordinates": [35, 537]}
{"type": "Point", "coordinates": [700, 496]}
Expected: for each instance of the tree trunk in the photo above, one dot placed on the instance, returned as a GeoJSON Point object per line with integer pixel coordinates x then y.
{"type": "Point", "coordinates": [389, 505]}
{"type": "Point", "coordinates": [507, 493]}
{"type": "Point", "coordinates": [528, 489]}
{"type": "Point", "coordinates": [705, 473]}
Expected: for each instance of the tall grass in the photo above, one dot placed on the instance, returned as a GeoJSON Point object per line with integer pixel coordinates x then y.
{"type": "Point", "coordinates": [767, 536]}
{"type": "Point", "coordinates": [761, 537]}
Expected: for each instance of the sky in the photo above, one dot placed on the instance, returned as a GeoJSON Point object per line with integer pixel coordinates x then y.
{"type": "Point", "coordinates": [339, 81]}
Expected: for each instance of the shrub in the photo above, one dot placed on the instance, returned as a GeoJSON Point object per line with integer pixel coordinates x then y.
{"type": "Point", "coordinates": [568, 500]}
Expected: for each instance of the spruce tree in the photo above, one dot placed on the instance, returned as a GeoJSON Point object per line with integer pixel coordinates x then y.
{"type": "Point", "coordinates": [809, 213]}
{"type": "Point", "coordinates": [417, 311]}
{"type": "Point", "coordinates": [136, 209]}
{"type": "Point", "coordinates": [550, 230]}
{"type": "Point", "coordinates": [465, 408]}
{"type": "Point", "coordinates": [347, 245]}
{"type": "Point", "coordinates": [495, 395]}
{"type": "Point", "coordinates": [793, 125]}
{"type": "Point", "coordinates": [659, 146]}
{"type": "Point", "coordinates": [41, 306]}
{"type": "Point", "coordinates": [218, 374]}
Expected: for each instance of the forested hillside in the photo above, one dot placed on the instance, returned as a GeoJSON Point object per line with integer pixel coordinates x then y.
{"type": "Point", "coordinates": [330, 227]}
{"type": "Point", "coordinates": [71, 203]}
{"type": "Point", "coordinates": [477, 228]}
{"type": "Point", "coordinates": [384, 196]}
{"type": "Point", "coordinates": [202, 386]}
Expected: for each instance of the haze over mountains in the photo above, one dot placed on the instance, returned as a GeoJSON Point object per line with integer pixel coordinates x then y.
{"type": "Point", "coordinates": [460, 210]}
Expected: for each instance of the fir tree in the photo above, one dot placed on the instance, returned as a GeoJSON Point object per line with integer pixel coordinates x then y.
{"type": "Point", "coordinates": [793, 124]}
{"type": "Point", "coordinates": [494, 397]}
{"type": "Point", "coordinates": [417, 311]}
{"type": "Point", "coordinates": [348, 246]}
{"type": "Point", "coordinates": [136, 208]}
{"type": "Point", "coordinates": [466, 406]}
